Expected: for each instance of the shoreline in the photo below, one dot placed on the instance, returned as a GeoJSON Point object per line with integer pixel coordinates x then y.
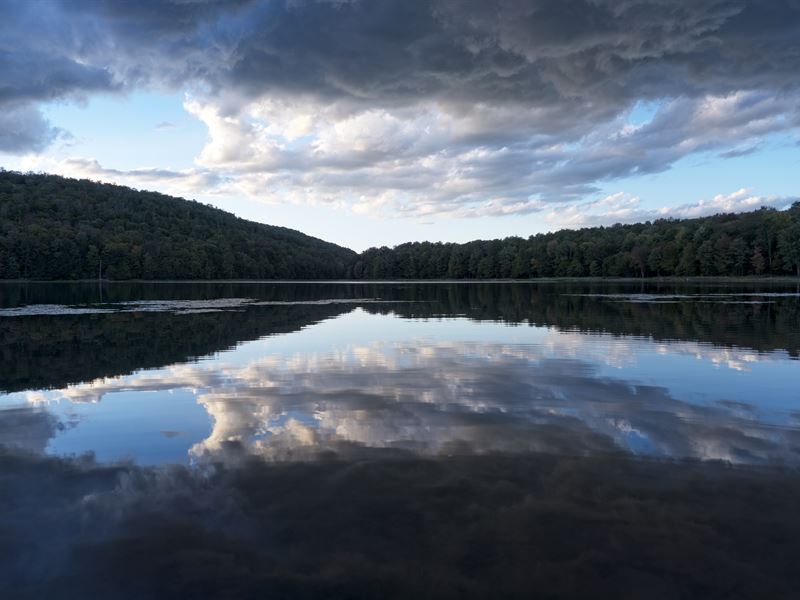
{"type": "Point", "coordinates": [671, 279]}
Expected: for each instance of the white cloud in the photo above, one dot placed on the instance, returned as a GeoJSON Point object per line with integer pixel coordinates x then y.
{"type": "Point", "coordinates": [165, 126]}
{"type": "Point", "coordinates": [742, 200]}
{"type": "Point", "coordinates": [435, 159]}
{"type": "Point", "coordinates": [625, 208]}
{"type": "Point", "coordinates": [186, 182]}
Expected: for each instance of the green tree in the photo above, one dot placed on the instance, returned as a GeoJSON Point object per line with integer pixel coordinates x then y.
{"type": "Point", "coordinates": [706, 258]}
{"type": "Point", "coordinates": [789, 244]}
{"type": "Point", "coordinates": [757, 261]}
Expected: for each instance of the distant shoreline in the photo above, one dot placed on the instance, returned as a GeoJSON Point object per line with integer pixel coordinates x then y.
{"type": "Point", "coordinates": [692, 279]}
{"type": "Point", "coordinates": [91, 231]}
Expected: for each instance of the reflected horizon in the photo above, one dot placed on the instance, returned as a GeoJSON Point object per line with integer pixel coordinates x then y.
{"type": "Point", "coordinates": [353, 376]}
{"type": "Point", "coordinates": [54, 335]}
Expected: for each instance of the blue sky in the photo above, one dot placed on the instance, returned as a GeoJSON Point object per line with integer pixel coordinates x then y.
{"type": "Point", "coordinates": [433, 128]}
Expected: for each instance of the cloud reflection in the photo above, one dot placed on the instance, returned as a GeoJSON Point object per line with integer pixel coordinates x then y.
{"type": "Point", "coordinates": [443, 398]}
{"type": "Point", "coordinates": [453, 398]}
{"type": "Point", "coordinates": [28, 430]}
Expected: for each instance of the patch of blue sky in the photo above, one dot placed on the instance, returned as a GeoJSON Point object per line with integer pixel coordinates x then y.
{"type": "Point", "coordinates": [139, 130]}
{"type": "Point", "coordinates": [643, 111]}
{"type": "Point", "coordinates": [151, 426]}
{"type": "Point", "coordinates": [337, 225]}
{"type": "Point", "coordinates": [706, 375]}
{"type": "Point", "coordinates": [768, 171]}
{"type": "Point", "coordinates": [640, 444]}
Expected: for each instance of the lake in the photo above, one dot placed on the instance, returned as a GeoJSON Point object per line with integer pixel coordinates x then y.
{"type": "Point", "coordinates": [388, 439]}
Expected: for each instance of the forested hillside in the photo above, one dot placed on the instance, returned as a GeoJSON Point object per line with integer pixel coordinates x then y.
{"type": "Point", "coordinates": [765, 242]}
{"type": "Point", "coordinates": [57, 228]}
{"type": "Point", "coordinates": [52, 227]}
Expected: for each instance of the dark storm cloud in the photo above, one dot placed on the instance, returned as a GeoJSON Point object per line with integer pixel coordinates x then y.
{"type": "Point", "coordinates": [467, 108]}
{"type": "Point", "coordinates": [44, 54]}
{"type": "Point", "coordinates": [587, 55]}
{"type": "Point", "coordinates": [526, 51]}
{"type": "Point", "coordinates": [39, 61]}
{"type": "Point", "coordinates": [68, 50]}
{"type": "Point", "coordinates": [23, 127]}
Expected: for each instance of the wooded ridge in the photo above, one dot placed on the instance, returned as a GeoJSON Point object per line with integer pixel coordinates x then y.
{"type": "Point", "coordinates": [53, 227]}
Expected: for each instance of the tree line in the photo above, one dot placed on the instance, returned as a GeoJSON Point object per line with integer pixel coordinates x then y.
{"type": "Point", "coordinates": [764, 242]}
{"type": "Point", "coordinates": [53, 227]}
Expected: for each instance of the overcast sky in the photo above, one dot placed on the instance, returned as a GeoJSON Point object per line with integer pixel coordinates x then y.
{"type": "Point", "coordinates": [372, 122]}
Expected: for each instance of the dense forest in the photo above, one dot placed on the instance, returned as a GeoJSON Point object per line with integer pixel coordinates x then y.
{"type": "Point", "coordinates": [764, 242]}
{"type": "Point", "coordinates": [53, 227]}
{"type": "Point", "coordinates": [57, 228]}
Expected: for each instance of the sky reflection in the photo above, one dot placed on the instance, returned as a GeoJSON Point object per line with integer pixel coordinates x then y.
{"type": "Point", "coordinates": [366, 382]}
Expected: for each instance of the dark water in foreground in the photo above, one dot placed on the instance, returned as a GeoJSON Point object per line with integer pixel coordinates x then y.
{"type": "Point", "coordinates": [386, 440]}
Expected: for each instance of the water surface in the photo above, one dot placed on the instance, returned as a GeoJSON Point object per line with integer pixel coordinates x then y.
{"type": "Point", "coordinates": [179, 373]}
{"type": "Point", "coordinates": [434, 440]}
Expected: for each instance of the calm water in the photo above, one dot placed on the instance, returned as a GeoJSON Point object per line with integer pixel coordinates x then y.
{"type": "Point", "coordinates": [336, 440]}
{"type": "Point", "coordinates": [180, 373]}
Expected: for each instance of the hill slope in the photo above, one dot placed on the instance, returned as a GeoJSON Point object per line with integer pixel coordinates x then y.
{"type": "Point", "coordinates": [53, 227]}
